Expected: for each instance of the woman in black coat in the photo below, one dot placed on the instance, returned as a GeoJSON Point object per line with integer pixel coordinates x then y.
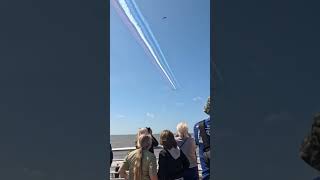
{"type": "Point", "coordinates": [172, 161]}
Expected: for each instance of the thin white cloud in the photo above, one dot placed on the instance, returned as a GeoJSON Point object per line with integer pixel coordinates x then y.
{"type": "Point", "coordinates": [150, 115]}
{"type": "Point", "coordinates": [198, 98]}
{"type": "Point", "coordinates": [120, 116]}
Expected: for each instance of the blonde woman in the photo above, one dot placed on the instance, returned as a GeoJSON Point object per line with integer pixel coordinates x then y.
{"type": "Point", "coordinates": [188, 146]}
{"type": "Point", "coordinates": [141, 163]}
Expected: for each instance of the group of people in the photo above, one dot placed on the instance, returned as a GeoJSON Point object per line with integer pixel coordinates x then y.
{"type": "Point", "coordinates": [177, 159]}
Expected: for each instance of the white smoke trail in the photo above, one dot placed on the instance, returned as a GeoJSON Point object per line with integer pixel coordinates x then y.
{"type": "Point", "coordinates": [133, 15]}
{"type": "Point", "coordinates": [153, 39]}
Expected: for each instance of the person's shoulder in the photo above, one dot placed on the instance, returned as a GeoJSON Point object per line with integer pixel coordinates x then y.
{"type": "Point", "coordinates": [130, 156]}
{"type": "Point", "coordinates": [163, 152]}
{"type": "Point", "coordinates": [132, 153]}
{"type": "Point", "coordinates": [149, 155]}
{"type": "Point", "coordinates": [190, 139]}
{"type": "Point", "coordinates": [189, 142]}
{"type": "Point", "coordinates": [196, 125]}
{"type": "Point", "coordinates": [205, 121]}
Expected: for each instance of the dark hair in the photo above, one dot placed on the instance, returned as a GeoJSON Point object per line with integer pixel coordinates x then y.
{"type": "Point", "coordinates": [167, 140]}
{"type": "Point", "coordinates": [149, 129]}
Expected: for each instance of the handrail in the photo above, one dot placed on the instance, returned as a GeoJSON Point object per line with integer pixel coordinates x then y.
{"type": "Point", "coordinates": [132, 148]}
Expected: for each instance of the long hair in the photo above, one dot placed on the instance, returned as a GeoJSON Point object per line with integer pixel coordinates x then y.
{"type": "Point", "coordinates": [167, 140]}
{"type": "Point", "coordinates": [144, 143]}
{"type": "Point", "coordinates": [182, 129]}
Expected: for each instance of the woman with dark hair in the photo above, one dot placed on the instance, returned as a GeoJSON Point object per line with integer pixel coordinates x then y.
{"type": "Point", "coordinates": [172, 161]}
{"type": "Point", "coordinates": [141, 163]}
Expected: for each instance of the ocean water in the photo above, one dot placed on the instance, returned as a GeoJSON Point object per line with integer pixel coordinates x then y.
{"type": "Point", "coordinates": [120, 141]}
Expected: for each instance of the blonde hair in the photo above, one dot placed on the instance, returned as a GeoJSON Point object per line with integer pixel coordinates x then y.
{"type": "Point", "coordinates": [144, 143]}
{"type": "Point", "coordinates": [182, 129]}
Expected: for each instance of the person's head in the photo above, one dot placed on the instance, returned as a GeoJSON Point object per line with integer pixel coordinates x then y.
{"type": "Point", "coordinates": [207, 107]}
{"type": "Point", "coordinates": [182, 130]}
{"type": "Point", "coordinates": [144, 143]}
{"type": "Point", "coordinates": [167, 140]}
{"type": "Point", "coordinates": [140, 132]}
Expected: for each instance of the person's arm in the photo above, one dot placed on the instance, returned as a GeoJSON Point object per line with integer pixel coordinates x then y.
{"type": "Point", "coordinates": [193, 144]}
{"type": "Point", "coordinates": [123, 173]}
{"type": "Point", "coordinates": [155, 143]}
{"type": "Point", "coordinates": [124, 167]}
{"type": "Point", "coordinates": [162, 167]}
{"type": "Point", "coordinates": [154, 140]}
{"type": "Point", "coordinates": [195, 131]}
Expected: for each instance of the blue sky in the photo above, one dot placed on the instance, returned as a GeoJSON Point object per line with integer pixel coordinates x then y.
{"type": "Point", "coordinates": [139, 94]}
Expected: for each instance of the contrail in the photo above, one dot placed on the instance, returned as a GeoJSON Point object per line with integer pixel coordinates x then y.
{"type": "Point", "coordinates": [129, 11]}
